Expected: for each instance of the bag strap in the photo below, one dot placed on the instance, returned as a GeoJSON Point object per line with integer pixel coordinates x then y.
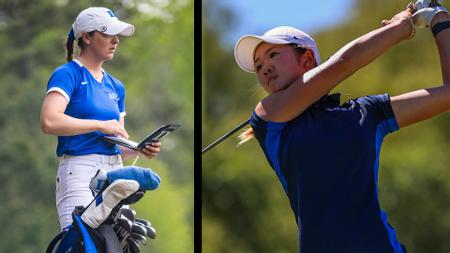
{"type": "Point", "coordinates": [89, 245]}
{"type": "Point", "coordinates": [54, 241]}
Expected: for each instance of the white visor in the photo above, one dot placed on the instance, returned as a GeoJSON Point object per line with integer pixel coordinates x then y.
{"type": "Point", "coordinates": [245, 47]}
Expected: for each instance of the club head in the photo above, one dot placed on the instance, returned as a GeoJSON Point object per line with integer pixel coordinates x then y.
{"type": "Point", "coordinates": [139, 239]}
{"type": "Point", "coordinates": [129, 213]}
{"type": "Point", "coordinates": [138, 229]}
{"type": "Point", "coordinates": [151, 232]}
{"type": "Point", "coordinates": [125, 224]}
{"type": "Point", "coordinates": [144, 222]}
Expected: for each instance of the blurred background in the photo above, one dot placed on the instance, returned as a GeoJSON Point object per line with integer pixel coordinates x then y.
{"type": "Point", "coordinates": [156, 66]}
{"type": "Point", "coordinates": [244, 208]}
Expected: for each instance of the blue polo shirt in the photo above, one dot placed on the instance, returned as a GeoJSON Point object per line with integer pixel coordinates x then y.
{"type": "Point", "coordinates": [327, 161]}
{"type": "Point", "coordinates": [87, 99]}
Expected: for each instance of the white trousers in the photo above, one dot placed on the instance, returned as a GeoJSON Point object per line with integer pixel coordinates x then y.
{"type": "Point", "coordinates": [72, 182]}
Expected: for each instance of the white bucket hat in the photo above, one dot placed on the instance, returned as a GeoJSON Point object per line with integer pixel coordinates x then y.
{"type": "Point", "coordinates": [102, 20]}
{"type": "Point", "coordinates": [245, 47]}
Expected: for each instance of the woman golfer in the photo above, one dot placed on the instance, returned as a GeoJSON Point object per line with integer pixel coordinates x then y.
{"type": "Point", "coordinates": [83, 103]}
{"type": "Point", "coordinates": [326, 154]}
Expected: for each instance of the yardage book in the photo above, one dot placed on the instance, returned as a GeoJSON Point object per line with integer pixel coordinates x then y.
{"type": "Point", "coordinates": [156, 135]}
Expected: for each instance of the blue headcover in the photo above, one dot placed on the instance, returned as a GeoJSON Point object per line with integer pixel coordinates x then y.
{"type": "Point", "coordinates": [147, 179]}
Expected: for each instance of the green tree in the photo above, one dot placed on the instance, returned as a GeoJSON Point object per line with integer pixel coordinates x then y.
{"type": "Point", "coordinates": [244, 206]}
{"type": "Point", "coordinates": [156, 66]}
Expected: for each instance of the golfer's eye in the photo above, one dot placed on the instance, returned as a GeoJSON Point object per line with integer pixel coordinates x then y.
{"type": "Point", "coordinates": [273, 54]}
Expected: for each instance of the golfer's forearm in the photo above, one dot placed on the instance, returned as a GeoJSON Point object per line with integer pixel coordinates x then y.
{"type": "Point", "coordinates": [64, 125]}
{"type": "Point", "coordinates": [289, 103]}
{"type": "Point", "coordinates": [368, 47]}
{"type": "Point", "coordinates": [443, 44]}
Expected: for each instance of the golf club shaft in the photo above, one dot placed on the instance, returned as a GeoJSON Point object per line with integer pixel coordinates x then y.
{"type": "Point", "coordinates": [210, 146]}
{"type": "Point", "coordinates": [434, 3]}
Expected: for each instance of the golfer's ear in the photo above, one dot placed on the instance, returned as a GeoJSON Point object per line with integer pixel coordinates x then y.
{"type": "Point", "coordinates": [308, 59]}
{"type": "Point", "coordinates": [86, 39]}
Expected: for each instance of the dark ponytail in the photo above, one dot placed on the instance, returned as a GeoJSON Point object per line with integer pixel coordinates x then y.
{"type": "Point", "coordinates": [70, 41]}
{"type": "Point", "coordinates": [69, 45]}
{"type": "Point", "coordinates": [246, 135]}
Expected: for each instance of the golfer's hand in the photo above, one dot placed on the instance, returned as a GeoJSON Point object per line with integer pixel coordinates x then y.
{"type": "Point", "coordinates": [405, 14]}
{"type": "Point", "coordinates": [113, 127]}
{"type": "Point", "coordinates": [151, 150]}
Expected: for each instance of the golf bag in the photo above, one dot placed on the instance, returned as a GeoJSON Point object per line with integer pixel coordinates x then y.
{"type": "Point", "coordinates": [78, 237]}
{"type": "Point", "coordinates": [111, 190]}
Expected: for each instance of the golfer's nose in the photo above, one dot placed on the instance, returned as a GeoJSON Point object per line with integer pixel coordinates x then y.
{"type": "Point", "coordinates": [267, 70]}
{"type": "Point", "coordinates": [115, 40]}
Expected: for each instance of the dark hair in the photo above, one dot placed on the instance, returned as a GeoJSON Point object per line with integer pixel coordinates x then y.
{"type": "Point", "coordinates": [69, 44]}
{"type": "Point", "coordinates": [299, 49]}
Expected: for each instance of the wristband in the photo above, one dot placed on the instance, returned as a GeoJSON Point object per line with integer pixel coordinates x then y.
{"type": "Point", "coordinates": [437, 28]}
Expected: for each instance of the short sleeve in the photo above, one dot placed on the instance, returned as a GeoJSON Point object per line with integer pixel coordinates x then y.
{"type": "Point", "coordinates": [266, 132]}
{"type": "Point", "coordinates": [256, 122]}
{"type": "Point", "coordinates": [121, 102]}
{"type": "Point", "coordinates": [379, 107]}
{"type": "Point", "coordinates": [269, 135]}
{"type": "Point", "coordinates": [62, 80]}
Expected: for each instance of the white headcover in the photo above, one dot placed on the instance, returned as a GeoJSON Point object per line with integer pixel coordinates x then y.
{"type": "Point", "coordinates": [99, 210]}
{"type": "Point", "coordinates": [102, 20]}
{"type": "Point", "coordinates": [245, 47]}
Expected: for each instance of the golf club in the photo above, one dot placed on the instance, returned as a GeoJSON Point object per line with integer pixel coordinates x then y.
{"type": "Point", "coordinates": [210, 146]}
{"type": "Point", "coordinates": [435, 2]}
{"type": "Point", "coordinates": [151, 232]}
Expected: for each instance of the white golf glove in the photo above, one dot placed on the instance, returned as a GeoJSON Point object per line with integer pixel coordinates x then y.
{"type": "Point", "coordinates": [420, 4]}
{"type": "Point", "coordinates": [424, 14]}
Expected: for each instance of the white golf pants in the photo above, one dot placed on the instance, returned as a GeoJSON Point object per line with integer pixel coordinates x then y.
{"type": "Point", "coordinates": [72, 181]}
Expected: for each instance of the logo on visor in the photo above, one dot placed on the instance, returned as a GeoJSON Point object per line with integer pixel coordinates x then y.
{"type": "Point", "coordinates": [111, 14]}
{"type": "Point", "coordinates": [103, 29]}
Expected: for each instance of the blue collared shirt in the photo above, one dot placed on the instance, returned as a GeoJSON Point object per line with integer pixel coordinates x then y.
{"type": "Point", "coordinates": [327, 161]}
{"type": "Point", "coordinates": [87, 99]}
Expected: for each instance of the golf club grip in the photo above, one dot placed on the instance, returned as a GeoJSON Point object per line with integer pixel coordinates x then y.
{"type": "Point", "coordinates": [210, 146]}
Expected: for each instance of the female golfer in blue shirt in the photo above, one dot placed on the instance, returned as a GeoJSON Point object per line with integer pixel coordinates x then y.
{"type": "Point", "coordinates": [83, 103]}
{"type": "Point", "coordinates": [326, 154]}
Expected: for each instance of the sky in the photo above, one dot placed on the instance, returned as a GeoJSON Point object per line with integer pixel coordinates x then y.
{"type": "Point", "coordinates": [257, 16]}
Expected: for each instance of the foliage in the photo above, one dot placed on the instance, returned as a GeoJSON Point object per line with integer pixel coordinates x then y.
{"type": "Point", "coordinates": [244, 206]}
{"type": "Point", "coordinates": [156, 66]}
